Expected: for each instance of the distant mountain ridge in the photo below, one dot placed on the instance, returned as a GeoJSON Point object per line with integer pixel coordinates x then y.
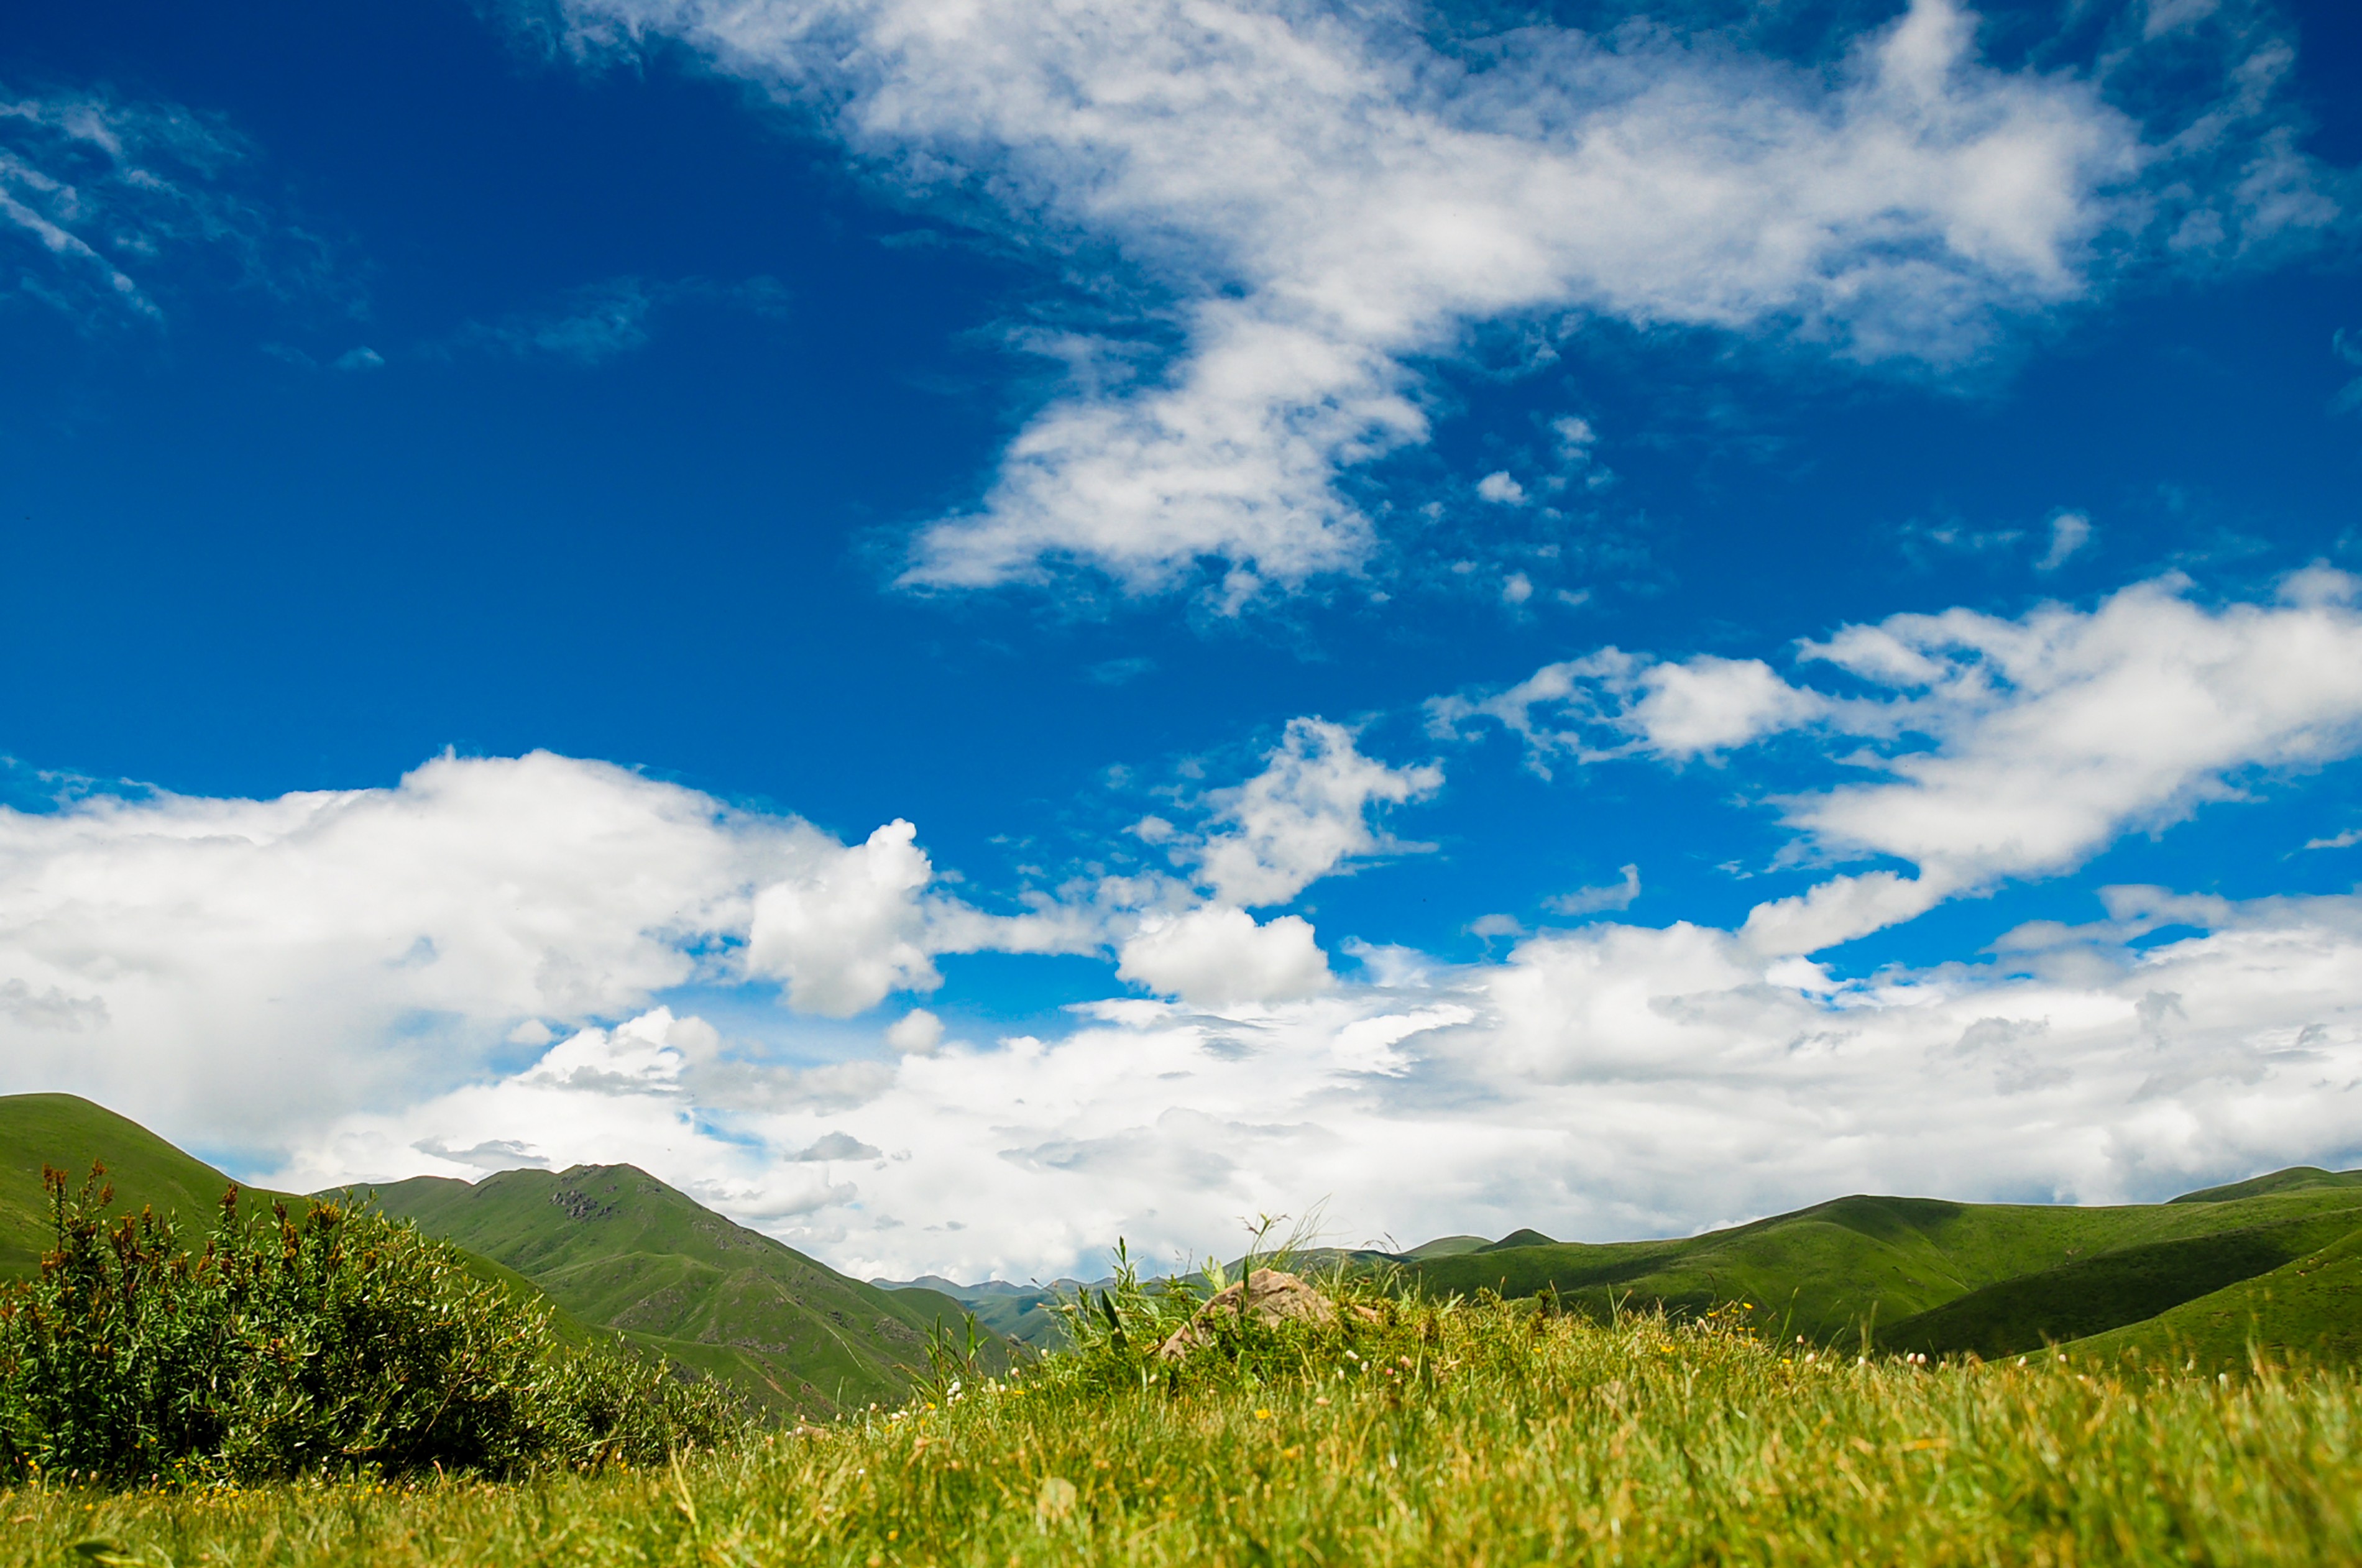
{"type": "Point", "coordinates": [2275, 1261]}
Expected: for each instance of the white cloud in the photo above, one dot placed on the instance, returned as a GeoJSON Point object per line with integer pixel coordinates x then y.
{"type": "Point", "coordinates": [334, 975]}
{"type": "Point", "coordinates": [2070, 532]}
{"type": "Point", "coordinates": [1219, 957]}
{"type": "Point", "coordinates": [1324, 198]}
{"type": "Point", "coordinates": [1304, 816]}
{"type": "Point", "coordinates": [1501, 490]}
{"type": "Point", "coordinates": [348, 946]}
{"type": "Point", "coordinates": [2048, 736]}
{"type": "Point", "coordinates": [916, 1033]}
{"type": "Point", "coordinates": [1998, 748]}
{"type": "Point", "coordinates": [851, 930]}
{"type": "Point", "coordinates": [1617, 895]}
{"type": "Point", "coordinates": [106, 191]}
{"type": "Point", "coordinates": [1602, 1083]}
{"type": "Point", "coordinates": [1612, 703]}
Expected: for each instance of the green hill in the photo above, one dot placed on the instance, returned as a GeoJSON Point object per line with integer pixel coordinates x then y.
{"type": "Point", "coordinates": [2293, 1179]}
{"type": "Point", "coordinates": [70, 1133]}
{"type": "Point", "coordinates": [2127, 1285]}
{"type": "Point", "coordinates": [1446, 1247]}
{"type": "Point", "coordinates": [617, 1247]}
{"type": "Point", "coordinates": [1833, 1270]}
{"type": "Point", "coordinates": [2309, 1308]}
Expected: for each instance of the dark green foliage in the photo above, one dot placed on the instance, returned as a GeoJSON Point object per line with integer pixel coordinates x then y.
{"type": "Point", "coordinates": [336, 1342]}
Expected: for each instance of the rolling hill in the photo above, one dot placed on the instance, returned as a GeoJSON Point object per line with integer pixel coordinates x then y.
{"type": "Point", "coordinates": [2309, 1308]}
{"type": "Point", "coordinates": [617, 1247]}
{"type": "Point", "coordinates": [1926, 1275]}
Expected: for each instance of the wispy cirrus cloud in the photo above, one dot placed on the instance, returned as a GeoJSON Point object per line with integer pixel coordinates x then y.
{"type": "Point", "coordinates": [101, 197]}
{"type": "Point", "coordinates": [604, 320]}
{"type": "Point", "coordinates": [1314, 201]}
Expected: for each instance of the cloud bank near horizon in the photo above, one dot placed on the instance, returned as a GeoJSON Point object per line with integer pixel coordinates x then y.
{"type": "Point", "coordinates": [1289, 214]}
{"type": "Point", "coordinates": [499, 961]}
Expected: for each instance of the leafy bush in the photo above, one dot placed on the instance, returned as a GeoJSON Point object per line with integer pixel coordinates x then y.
{"type": "Point", "coordinates": [336, 1342]}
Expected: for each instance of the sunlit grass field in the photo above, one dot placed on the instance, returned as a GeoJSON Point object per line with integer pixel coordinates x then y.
{"type": "Point", "coordinates": [1472, 1433]}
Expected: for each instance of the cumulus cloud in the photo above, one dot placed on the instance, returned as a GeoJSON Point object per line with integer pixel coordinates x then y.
{"type": "Point", "coordinates": [1304, 816]}
{"type": "Point", "coordinates": [346, 946]}
{"type": "Point", "coordinates": [917, 1032]}
{"type": "Point", "coordinates": [1501, 490]}
{"type": "Point", "coordinates": [1220, 957]}
{"type": "Point", "coordinates": [1313, 200]}
{"type": "Point", "coordinates": [344, 982]}
{"type": "Point", "coordinates": [851, 930]}
{"type": "Point", "coordinates": [1600, 1083]}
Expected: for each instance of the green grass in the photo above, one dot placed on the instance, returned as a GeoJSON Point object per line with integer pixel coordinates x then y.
{"type": "Point", "coordinates": [2295, 1179]}
{"type": "Point", "coordinates": [2308, 1310]}
{"type": "Point", "coordinates": [1827, 1271]}
{"type": "Point", "coordinates": [1480, 1433]}
{"type": "Point", "coordinates": [2095, 1295]}
{"type": "Point", "coordinates": [616, 1247]}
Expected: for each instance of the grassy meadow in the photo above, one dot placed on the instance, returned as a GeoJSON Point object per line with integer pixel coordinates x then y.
{"type": "Point", "coordinates": [1464, 1432]}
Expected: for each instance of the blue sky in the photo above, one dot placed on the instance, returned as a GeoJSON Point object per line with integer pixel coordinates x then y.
{"type": "Point", "coordinates": [509, 506]}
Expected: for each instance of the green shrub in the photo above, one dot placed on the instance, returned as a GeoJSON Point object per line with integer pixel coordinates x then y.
{"type": "Point", "coordinates": [333, 1342]}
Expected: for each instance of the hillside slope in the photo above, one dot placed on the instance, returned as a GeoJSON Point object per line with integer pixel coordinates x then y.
{"type": "Point", "coordinates": [145, 1171]}
{"type": "Point", "coordinates": [2126, 1285]}
{"type": "Point", "coordinates": [2293, 1179]}
{"type": "Point", "coordinates": [2308, 1310]}
{"type": "Point", "coordinates": [617, 1247]}
{"type": "Point", "coordinates": [1833, 1270]}
{"type": "Point", "coordinates": [70, 1133]}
